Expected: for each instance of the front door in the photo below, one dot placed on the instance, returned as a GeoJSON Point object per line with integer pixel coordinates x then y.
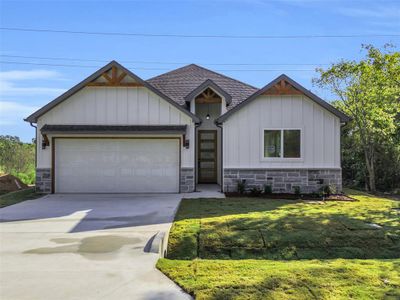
{"type": "Point", "coordinates": [207, 156]}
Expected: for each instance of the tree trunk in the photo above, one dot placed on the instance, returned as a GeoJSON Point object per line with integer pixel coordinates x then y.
{"type": "Point", "coordinates": [369, 161]}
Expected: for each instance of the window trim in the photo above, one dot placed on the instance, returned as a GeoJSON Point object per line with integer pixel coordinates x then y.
{"type": "Point", "coordinates": [281, 158]}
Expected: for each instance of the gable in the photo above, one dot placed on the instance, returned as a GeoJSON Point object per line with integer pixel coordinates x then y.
{"type": "Point", "coordinates": [283, 85]}
{"type": "Point", "coordinates": [282, 88]}
{"type": "Point", "coordinates": [114, 105]}
{"type": "Point", "coordinates": [113, 75]}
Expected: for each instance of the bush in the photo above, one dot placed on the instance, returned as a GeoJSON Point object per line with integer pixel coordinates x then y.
{"type": "Point", "coordinates": [241, 186]}
{"type": "Point", "coordinates": [27, 178]}
{"type": "Point", "coordinates": [267, 189]}
{"type": "Point", "coordinates": [328, 190]}
{"type": "Point", "coordinates": [297, 190]}
{"type": "Point", "coordinates": [255, 191]}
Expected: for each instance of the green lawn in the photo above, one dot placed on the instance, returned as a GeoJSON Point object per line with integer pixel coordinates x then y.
{"type": "Point", "coordinates": [19, 196]}
{"type": "Point", "coordinates": [299, 250]}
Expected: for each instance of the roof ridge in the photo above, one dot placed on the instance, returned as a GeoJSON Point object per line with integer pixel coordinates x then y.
{"type": "Point", "coordinates": [170, 72]}
{"type": "Point", "coordinates": [223, 75]}
{"type": "Point", "coordinates": [208, 70]}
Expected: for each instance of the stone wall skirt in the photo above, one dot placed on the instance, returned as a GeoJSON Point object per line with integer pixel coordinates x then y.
{"type": "Point", "coordinates": [187, 180]}
{"type": "Point", "coordinates": [283, 181]}
{"type": "Point", "coordinates": [43, 180]}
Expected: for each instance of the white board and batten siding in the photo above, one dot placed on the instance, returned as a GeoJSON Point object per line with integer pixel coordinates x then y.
{"type": "Point", "coordinates": [320, 133]}
{"type": "Point", "coordinates": [115, 106]}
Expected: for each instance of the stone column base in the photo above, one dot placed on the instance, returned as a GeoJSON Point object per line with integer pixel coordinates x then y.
{"type": "Point", "coordinates": [187, 180]}
{"type": "Point", "coordinates": [283, 181]}
{"type": "Point", "coordinates": [43, 180]}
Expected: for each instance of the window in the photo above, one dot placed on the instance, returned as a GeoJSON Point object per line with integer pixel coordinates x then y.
{"type": "Point", "coordinates": [282, 143]}
{"type": "Point", "coordinates": [272, 143]}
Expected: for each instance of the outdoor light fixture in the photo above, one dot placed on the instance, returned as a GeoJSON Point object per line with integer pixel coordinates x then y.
{"type": "Point", "coordinates": [208, 117]}
{"type": "Point", "coordinates": [208, 112]}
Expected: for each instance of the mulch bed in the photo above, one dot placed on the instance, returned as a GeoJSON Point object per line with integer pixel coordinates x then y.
{"type": "Point", "coordinates": [287, 196]}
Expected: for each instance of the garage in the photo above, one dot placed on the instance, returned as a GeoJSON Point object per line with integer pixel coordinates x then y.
{"type": "Point", "coordinates": [113, 165]}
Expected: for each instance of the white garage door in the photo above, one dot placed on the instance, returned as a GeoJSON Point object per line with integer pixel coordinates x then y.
{"type": "Point", "coordinates": [116, 165]}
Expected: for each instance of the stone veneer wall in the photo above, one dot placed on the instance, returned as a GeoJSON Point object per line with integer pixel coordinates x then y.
{"type": "Point", "coordinates": [283, 181]}
{"type": "Point", "coordinates": [187, 180]}
{"type": "Point", "coordinates": [43, 180]}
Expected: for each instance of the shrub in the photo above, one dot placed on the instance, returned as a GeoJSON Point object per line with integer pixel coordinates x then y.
{"type": "Point", "coordinates": [328, 190]}
{"type": "Point", "coordinates": [27, 178]}
{"type": "Point", "coordinates": [241, 186]}
{"type": "Point", "coordinates": [255, 191]}
{"type": "Point", "coordinates": [297, 190]}
{"type": "Point", "coordinates": [267, 189]}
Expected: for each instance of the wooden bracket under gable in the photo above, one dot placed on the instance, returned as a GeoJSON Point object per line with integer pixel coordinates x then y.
{"type": "Point", "coordinates": [115, 80]}
{"type": "Point", "coordinates": [208, 96]}
{"type": "Point", "coordinates": [282, 88]}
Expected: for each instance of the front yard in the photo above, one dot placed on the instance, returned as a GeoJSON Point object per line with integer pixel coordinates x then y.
{"type": "Point", "coordinates": [258, 248]}
{"type": "Point", "coordinates": [18, 196]}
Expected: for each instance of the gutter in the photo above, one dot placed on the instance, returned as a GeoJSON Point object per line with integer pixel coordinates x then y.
{"type": "Point", "coordinates": [36, 143]}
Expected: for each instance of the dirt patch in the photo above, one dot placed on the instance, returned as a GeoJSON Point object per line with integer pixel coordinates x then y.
{"type": "Point", "coordinates": [10, 183]}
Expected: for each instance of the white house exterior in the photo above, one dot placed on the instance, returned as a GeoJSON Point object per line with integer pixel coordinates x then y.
{"type": "Point", "coordinates": [116, 133]}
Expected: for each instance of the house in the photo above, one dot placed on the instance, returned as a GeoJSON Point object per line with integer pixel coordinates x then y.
{"type": "Point", "coordinates": [117, 133]}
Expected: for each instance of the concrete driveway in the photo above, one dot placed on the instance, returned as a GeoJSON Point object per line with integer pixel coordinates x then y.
{"type": "Point", "coordinates": [85, 247]}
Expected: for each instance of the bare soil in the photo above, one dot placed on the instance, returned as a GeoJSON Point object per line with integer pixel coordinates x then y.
{"type": "Point", "coordinates": [10, 183]}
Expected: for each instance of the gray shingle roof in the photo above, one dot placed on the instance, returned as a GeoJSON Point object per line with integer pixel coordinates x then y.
{"type": "Point", "coordinates": [179, 83]}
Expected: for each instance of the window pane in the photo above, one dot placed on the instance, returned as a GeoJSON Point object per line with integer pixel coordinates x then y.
{"type": "Point", "coordinates": [291, 143]}
{"type": "Point", "coordinates": [272, 143]}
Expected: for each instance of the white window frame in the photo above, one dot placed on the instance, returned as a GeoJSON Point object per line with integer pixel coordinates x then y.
{"type": "Point", "coordinates": [281, 158]}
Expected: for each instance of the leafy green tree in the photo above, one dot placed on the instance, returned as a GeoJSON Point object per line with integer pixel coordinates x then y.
{"type": "Point", "coordinates": [17, 158]}
{"type": "Point", "coordinates": [369, 92]}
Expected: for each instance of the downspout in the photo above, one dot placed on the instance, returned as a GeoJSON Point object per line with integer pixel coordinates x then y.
{"type": "Point", "coordinates": [219, 125]}
{"type": "Point", "coordinates": [36, 140]}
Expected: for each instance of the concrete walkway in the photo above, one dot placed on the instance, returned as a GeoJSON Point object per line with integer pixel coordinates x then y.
{"type": "Point", "coordinates": [206, 191]}
{"type": "Point", "coordinates": [85, 247]}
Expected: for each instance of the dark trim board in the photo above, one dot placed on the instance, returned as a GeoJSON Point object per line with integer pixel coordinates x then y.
{"type": "Point", "coordinates": [53, 152]}
{"type": "Point", "coordinates": [114, 129]}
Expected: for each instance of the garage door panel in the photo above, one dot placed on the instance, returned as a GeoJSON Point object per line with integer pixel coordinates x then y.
{"type": "Point", "coordinates": [116, 165]}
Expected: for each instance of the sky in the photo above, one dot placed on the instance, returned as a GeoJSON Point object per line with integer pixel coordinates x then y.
{"type": "Point", "coordinates": [36, 67]}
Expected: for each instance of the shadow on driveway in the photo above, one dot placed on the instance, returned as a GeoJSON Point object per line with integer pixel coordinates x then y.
{"type": "Point", "coordinates": [96, 211]}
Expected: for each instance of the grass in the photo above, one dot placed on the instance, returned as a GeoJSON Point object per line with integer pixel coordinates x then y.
{"type": "Point", "coordinates": [243, 228]}
{"type": "Point", "coordinates": [265, 279]}
{"type": "Point", "coordinates": [19, 196]}
{"type": "Point", "coordinates": [275, 249]}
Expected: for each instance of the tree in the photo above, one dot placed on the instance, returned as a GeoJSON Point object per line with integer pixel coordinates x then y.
{"type": "Point", "coordinates": [17, 158]}
{"type": "Point", "coordinates": [369, 92]}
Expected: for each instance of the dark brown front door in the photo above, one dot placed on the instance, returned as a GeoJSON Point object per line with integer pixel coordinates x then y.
{"type": "Point", "coordinates": [207, 156]}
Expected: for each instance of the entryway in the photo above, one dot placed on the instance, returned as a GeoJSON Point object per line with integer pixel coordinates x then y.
{"type": "Point", "coordinates": [207, 156]}
{"type": "Point", "coordinates": [207, 190]}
